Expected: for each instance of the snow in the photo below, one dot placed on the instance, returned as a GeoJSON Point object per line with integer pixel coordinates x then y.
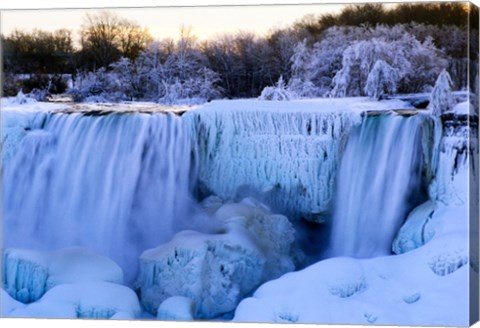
{"type": "Point", "coordinates": [426, 286]}
{"type": "Point", "coordinates": [95, 300]}
{"type": "Point", "coordinates": [176, 308]}
{"type": "Point", "coordinates": [215, 271]}
{"type": "Point", "coordinates": [462, 108]}
{"type": "Point", "coordinates": [28, 274]}
{"type": "Point", "coordinates": [417, 229]}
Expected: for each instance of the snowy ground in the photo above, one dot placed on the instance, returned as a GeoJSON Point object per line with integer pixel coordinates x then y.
{"type": "Point", "coordinates": [427, 284]}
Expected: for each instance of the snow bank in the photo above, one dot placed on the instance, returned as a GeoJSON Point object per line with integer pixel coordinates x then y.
{"type": "Point", "coordinates": [97, 300]}
{"type": "Point", "coordinates": [426, 286]}
{"type": "Point", "coordinates": [28, 274]}
{"type": "Point", "coordinates": [8, 304]}
{"type": "Point", "coordinates": [215, 271]}
{"type": "Point", "coordinates": [176, 308]}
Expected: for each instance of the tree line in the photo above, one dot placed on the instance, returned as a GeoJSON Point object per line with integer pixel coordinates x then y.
{"type": "Point", "coordinates": [310, 56]}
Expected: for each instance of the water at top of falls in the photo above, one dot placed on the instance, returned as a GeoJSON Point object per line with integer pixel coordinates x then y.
{"type": "Point", "coordinates": [378, 180]}
{"type": "Point", "coordinates": [117, 184]}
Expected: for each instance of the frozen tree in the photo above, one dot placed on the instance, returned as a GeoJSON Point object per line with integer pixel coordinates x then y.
{"type": "Point", "coordinates": [300, 59]}
{"type": "Point", "coordinates": [416, 64]}
{"type": "Point", "coordinates": [278, 92]}
{"type": "Point", "coordinates": [300, 83]}
{"type": "Point", "coordinates": [125, 79]}
{"type": "Point", "coordinates": [441, 99]}
{"type": "Point", "coordinates": [382, 81]}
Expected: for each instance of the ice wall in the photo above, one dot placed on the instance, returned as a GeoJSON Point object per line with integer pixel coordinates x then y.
{"type": "Point", "coordinates": [117, 183]}
{"type": "Point", "coordinates": [285, 154]}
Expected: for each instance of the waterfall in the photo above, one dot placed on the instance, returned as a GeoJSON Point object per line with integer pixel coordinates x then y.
{"type": "Point", "coordinates": [379, 182]}
{"type": "Point", "coordinates": [117, 183]}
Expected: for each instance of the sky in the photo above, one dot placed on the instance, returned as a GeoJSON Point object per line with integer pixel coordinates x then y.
{"type": "Point", "coordinates": [164, 18]}
{"type": "Point", "coordinates": [163, 22]}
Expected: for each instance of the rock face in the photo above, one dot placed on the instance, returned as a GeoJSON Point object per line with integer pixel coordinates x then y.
{"type": "Point", "coordinates": [215, 271]}
{"type": "Point", "coordinates": [285, 156]}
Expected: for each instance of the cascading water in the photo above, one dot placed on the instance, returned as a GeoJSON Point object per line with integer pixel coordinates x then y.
{"type": "Point", "coordinates": [117, 183]}
{"type": "Point", "coordinates": [379, 181]}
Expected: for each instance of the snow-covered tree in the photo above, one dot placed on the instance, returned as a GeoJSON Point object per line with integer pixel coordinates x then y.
{"type": "Point", "coordinates": [300, 83]}
{"type": "Point", "coordinates": [125, 79]}
{"type": "Point", "coordinates": [441, 99]}
{"type": "Point", "coordinates": [278, 92]}
{"type": "Point", "coordinates": [382, 81]}
{"type": "Point", "coordinates": [416, 64]}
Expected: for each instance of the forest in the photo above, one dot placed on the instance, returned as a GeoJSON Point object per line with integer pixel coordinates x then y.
{"type": "Point", "coordinates": [319, 55]}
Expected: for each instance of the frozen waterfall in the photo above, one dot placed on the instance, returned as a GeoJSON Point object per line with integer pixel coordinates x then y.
{"type": "Point", "coordinates": [116, 183]}
{"type": "Point", "coordinates": [379, 182]}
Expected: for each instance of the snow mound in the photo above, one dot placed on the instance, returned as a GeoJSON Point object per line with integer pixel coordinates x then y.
{"type": "Point", "coordinates": [94, 300]}
{"type": "Point", "coordinates": [278, 92]}
{"type": "Point", "coordinates": [176, 308]}
{"type": "Point", "coordinates": [8, 304]}
{"type": "Point", "coordinates": [417, 229]}
{"type": "Point", "coordinates": [28, 274]}
{"type": "Point", "coordinates": [215, 271]}
{"type": "Point", "coordinates": [349, 280]}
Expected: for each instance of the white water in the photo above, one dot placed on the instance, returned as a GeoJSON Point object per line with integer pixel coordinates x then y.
{"type": "Point", "coordinates": [118, 184]}
{"type": "Point", "coordinates": [379, 181]}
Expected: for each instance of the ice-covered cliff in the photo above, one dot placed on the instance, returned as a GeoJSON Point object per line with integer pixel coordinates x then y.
{"type": "Point", "coordinates": [286, 154]}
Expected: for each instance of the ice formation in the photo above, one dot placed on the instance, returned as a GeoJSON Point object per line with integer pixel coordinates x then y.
{"type": "Point", "coordinates": [286, 154]}
{"type": "Point", "coordinates": [215, 271]}
{"type": "Point", "coordinates": [133, 177]}
{"type": "Point", "coordinates": [426, 284]}
{"type": "Point", "coordinates": [28, 274]}
{"type": "Point", "coordinates": [417, 229]}
{"type": "Point", "coordinates": [94, 300]}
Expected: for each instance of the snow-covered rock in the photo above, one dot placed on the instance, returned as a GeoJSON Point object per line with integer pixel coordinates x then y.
{"type": "Point", "coordinates": [215, 271]}
{"type": "Point", "coordinates": [176, 308]}
{"type": "Point", "coordinates": [98, 300]}
{"type": "Point", "coordinates": [417, 229]}
{"type": "Point", "coordinates": [28, 274]}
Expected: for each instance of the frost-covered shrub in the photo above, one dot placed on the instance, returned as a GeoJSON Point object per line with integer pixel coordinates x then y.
{"type": "Point", "coordinates": [279, 92]}
{"type": "Point", "coordinates": [381, 81]}
{"type": "Point", "coordinates": [98, 86]}
{"type": "Point", "coordinates": [441, 99]}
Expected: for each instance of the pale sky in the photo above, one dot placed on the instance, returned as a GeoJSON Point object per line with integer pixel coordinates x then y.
{"type": "Point", "coordinates": [205, 21]}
